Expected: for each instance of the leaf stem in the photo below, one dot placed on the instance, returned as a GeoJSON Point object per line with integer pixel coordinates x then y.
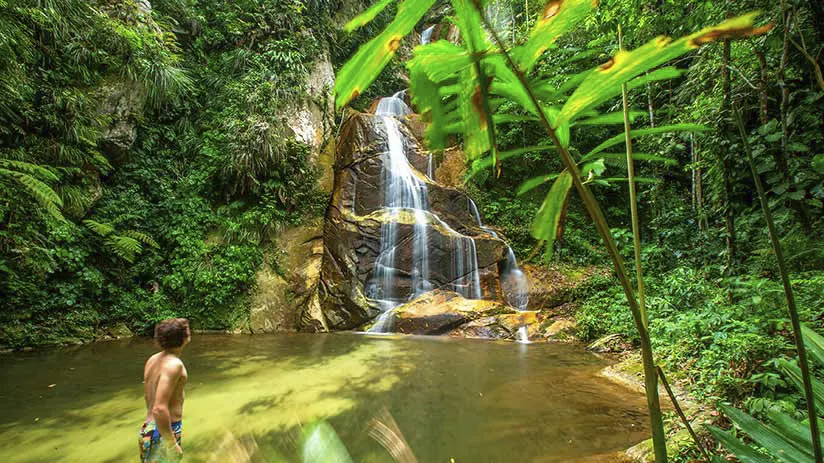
{"type": "Point", "coordinates": [633, 198]}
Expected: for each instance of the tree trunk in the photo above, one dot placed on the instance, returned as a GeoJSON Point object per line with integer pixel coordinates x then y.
{"type": "Point", "coordinates": [726, 164]}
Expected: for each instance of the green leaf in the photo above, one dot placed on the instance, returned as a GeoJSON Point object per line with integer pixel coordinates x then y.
{"type": "Point", "coordinates": [814, 344]}
{"type": "Point", "coordinates": [367, 16]}
{"type": "Point", "coordinates": [535, 182]}
{"type": "Point", "coordinates": [557, 18]}
{"type": "Point", "coordinates": [818, 163]}
{"type": "Point", "coordinates": [621, 158]}
{"type": "Point", "coordinates": [794, 373]}
{"type": "Point", "coordinates": [604, 82]}
{"type": "Point", "coordinates": [101, 229]}
{"type": "Point", "coordinates": [620, 138]}
{"type": "Point", "coordinates": [797, 147]}
{"type": "Point", "coordinates": [610, 118]}
{"type": "Point", "coordinates": [767, 437]}
{"type": "Point", "coordinates": [545, 224]}
{"type": "Point", "coordinates": [373, 56]}
{"type": "Point", "coordinates": [738, 448]}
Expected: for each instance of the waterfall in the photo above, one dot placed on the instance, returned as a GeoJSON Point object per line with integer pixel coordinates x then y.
{"type": "Point", "coordinates": [513, 283]}
{"type": "Point", "coordinates": [430, 168]}
{"type": "Point", "coordinates": [426, 35]}
{"type": "Point", "coordinates": [513, 280]}
{"type": "Point", "coordinates": [405, 200]}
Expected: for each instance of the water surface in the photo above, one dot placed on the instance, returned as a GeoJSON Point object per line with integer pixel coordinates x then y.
{"type": "Point", "coordinates": [472, 401]}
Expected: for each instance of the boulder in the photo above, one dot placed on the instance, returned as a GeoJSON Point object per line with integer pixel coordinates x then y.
{"type": "Point", "coordinates": [440, 311]}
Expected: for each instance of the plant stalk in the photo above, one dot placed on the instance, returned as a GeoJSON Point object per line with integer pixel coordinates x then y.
{"type": "Point", "coordinates": [633, 198]}
{"type": "Point", "coordinates": [682, 415]}
{"type": "Point", "coordinates": [788, 292]}
{"type": "Point", "coordinates": [594, 210]}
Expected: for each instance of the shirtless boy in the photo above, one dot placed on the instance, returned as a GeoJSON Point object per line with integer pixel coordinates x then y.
{"type": "Point", "coordinates": [163, 379]}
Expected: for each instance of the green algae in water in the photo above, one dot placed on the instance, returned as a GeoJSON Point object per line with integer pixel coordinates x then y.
{"type": "Point", "coordinates": [461, 399]}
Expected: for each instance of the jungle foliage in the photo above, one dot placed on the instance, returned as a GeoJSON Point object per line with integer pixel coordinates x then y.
{"type": "Point", "coordinates": [144, 159]}
{"type": "Point", "coordinates": [547, 92]}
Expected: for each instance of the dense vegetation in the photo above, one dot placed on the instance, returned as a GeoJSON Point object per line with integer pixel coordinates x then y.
{"type": "Point", "coordinates": [144, 161]}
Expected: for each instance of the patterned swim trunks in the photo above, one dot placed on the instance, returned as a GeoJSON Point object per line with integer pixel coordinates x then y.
{"type": "Point", "coordinates": [152, 447]}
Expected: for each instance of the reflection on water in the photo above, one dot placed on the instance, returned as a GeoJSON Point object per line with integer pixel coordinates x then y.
{"type": "Point", "coordinates": [461, 399]}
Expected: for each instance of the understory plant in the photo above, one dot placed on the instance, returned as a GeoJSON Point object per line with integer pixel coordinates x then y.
{"type": "Point", "coordinates": [459, 90]}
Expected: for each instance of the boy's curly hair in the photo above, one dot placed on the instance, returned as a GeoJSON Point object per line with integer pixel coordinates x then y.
{"type": "Point", "coordinates": [172, 332]}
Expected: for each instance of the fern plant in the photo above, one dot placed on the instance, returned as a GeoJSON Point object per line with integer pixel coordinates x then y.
{"type": "Point", "coordinates": [31, 179]}
{"type": "Point", "coordinates": [127, 244]}
{"type": "Point", "coordinates": [458, 89]}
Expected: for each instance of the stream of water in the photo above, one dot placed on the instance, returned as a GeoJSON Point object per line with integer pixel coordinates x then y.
{"type": "Point", "coordinates": [471, 401]}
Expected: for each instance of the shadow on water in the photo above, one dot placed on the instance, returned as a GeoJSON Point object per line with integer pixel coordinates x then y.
{"type": "Point", "coordinates": [468, 400]}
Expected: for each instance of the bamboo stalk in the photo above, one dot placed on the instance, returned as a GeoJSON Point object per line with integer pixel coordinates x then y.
{"type": "Point", "coordinates": [788, 293]}
{"type": "Point", "coordinates": [682, 415]}
{"type": "Point", "coordinates": [597, 215]}
{"type": "Point", "coordinates": [633, 198]}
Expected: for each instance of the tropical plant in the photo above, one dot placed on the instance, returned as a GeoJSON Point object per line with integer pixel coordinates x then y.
{"type": "Point", "coordinates": [784, 438]}
{"type": "Point", "coordinates": [458, 89]}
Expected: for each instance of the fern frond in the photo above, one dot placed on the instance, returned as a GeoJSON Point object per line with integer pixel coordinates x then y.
{"type": "Point", "coordinates": [141, 237]}
{"type": "Point", "coordinates": [99, 228]}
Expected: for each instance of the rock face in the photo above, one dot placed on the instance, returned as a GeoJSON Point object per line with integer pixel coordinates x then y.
{"type": "Point", "coordinates": [281, 295]}
{"type": "Point", "coordinates": [355, 218]}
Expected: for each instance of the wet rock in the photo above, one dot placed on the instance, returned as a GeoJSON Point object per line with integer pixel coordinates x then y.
{"type": "Point", "coordinates": [440, 311]}
{"type": "Point", "coordinates": [562, 330]}
{"type": "Point", "coordinates": [283, 293]}
{"type": "Point", "coordinates": [551, 287]}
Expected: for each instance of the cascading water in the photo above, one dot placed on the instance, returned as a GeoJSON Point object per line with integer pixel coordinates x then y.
{"type": "Point", "coordinates": [513, 280]}
{"type": "Point", "coordinates": [405, 200]}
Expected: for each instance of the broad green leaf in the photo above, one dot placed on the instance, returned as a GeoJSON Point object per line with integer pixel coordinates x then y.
{"type": "Point", "coordinates": [621, 158]}
{"type": "Point", "coordinates": [373, 56]}
{"type": "Point", "coordinates": [767, 437]}
{"type": "Point", "coordinates": [545, 224]}
{"type": "Point", "coordinates": [610, 118]}
{"type": "Point", "coordinates": [738, 448]}
{"type": "Point", "coordinates": [367, 16]}
{"type": "Point", "coordinates": [535, 182]}
{"type": "Point", "coordinates": [604, 82]}
{"type": "Point", "coordinates": [620, 138]}
{"type": "Point", "coordinates": [793, 430]}
{"type": "Point", "coordinates": [814, 344]}
{"type": "Point", "coordinates": [558, 17]}
{"type": "Point", "coordinates": [440, 60]}
{"type": "Point", "coordinates": [665, 73]}
{"type": "Point", "coordinates": [506, 118]}
{"type": "Point", "coordinates": [794, 373]}
{"type": "Point", "coordinates": [637, 179]}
